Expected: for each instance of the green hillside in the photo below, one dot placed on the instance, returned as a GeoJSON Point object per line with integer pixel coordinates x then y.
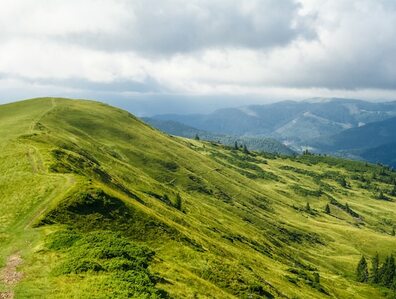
{"type": "Point", "coordinates": [96, 204]}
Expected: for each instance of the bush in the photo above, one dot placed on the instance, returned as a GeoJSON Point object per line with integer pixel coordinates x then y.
{"type": "Point", "coordinates": [123, 262]}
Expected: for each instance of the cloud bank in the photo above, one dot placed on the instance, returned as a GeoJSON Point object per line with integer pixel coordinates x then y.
{"type": "Point", "coordinates": [271, 48]}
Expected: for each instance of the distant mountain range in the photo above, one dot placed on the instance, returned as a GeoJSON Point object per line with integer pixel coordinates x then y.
{"type": "Point", "coordinates": [352, 128]}
{"type": "Point", "coordinates": [374, 142]}
{"type": "Point", "coordinates": [256, 143]}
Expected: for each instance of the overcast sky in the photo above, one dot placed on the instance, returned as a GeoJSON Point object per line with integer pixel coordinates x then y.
{"type": "Point", "coordinates": [212, 49]}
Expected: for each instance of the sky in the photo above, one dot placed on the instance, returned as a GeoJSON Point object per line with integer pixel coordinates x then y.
{"type": "Point", "coordinates": [198, 53]}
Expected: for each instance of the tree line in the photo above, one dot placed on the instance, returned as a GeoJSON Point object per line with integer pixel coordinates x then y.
{"type": "Point", "coordinates": [380, 274]}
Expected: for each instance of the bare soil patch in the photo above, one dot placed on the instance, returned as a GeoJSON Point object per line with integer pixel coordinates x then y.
{"type": "Point", "coordinates": [10, 276]}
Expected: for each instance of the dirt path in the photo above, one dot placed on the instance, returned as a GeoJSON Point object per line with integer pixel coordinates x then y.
{"type": "Point", "coordinates": [10, 276]}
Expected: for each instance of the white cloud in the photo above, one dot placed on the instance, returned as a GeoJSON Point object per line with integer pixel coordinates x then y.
{"type": "Point", "coordinates": [57, 18]}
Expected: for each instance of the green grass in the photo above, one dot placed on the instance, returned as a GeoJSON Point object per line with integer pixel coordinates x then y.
{"type": "Point", "coordinates": [78, 179]}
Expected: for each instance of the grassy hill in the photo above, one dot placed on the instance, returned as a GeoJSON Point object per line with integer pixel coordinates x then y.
{"type": "Point", "coordinates": [96, 204]}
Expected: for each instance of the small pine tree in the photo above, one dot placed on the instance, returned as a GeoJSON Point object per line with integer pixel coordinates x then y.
{"type": "Point", "coordinates": [245, 149]}
{"type": "Point", "coordinates": [375, 269]}
{"type": "Point", "coordinates": [196, 137]}
{"type": "Point", "coordinates": [362, 274]}
{"type": "Point", "coordinates": [393, 191]}
{"type": "Point", "coordinates": [393, 233]}
{"type": "Point", "coordinates": [347, 208]}
{"type": "Point", "coordinates": [165, 198]}
{"type": "Point", "coordinates": [343, 182]}
{"type": "Point", "coordinates": [381, 195]}
{"type": "Point", "coordinates": [178, 202]}
{"type": "Point", "coordinates": [316, 277]}
{"type": "Point", "coordinates": [327, 209]}
{"type": "Point", "coordinates": [387, 271]}
{"type": "Point", "coordinates": [308, 207]}
{"type": "Point", "coordinates": [393, 285]}
{"type": "Point", "coordinates": [236, 147]}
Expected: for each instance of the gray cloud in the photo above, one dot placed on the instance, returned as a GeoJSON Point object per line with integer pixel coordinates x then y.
{"type": "Point", "coordinates": [355, 48]}
{"type": "Point", "coordinates": [149, 85]}
{"type": "Point", "coordinates": [177, 26]}
{"type": "Point", "coordinates": [208, 48]}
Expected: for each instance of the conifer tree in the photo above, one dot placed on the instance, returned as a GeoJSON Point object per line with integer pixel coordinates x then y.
{"type": "Point", "coordinates": [236, 147]}
{"type": "Point", "coordinates": [387, 271]}
{"type": "Point", "coordinates": [381, 195]}
{"type": "Point", "coordinates": [343, 182]}
{"type": "Point", "coordinates": [196, 137]}
{"type": "Point", "coordinates": [393, 285]}
{"type": "Point", "coordinates": [316, 277]}
{"type": "Point", "coordinates": [245, 149]}
{"type": "Point", "coordinates": [165, 198]}
{"type": "Point", "coordinates": [362, 274]}
{"type": "Point", "coordinates": [375, 269]}
{"type": "Point", "coordinates": [308, 207]}
{"type": "Point", "coordinates": [349, 210]}
{"type": "Point", "coordinates": [327, 209]}
{"type": "Point", "coordinates": [393, 191]}
{"type": "Point", "coordinates": [393, 233]}
{"type": "Point", "coordinates": [178, 202]}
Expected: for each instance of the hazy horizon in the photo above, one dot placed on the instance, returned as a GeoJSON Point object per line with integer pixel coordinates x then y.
{"type": "Point", "coordinates": [178, 104]}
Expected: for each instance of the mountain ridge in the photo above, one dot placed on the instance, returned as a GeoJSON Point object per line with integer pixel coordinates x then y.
{"type": "Point", "coordinates": [372, 142]}
{"type": "Point", "coordinates": [267, 119]}
{"type": "Point", "coordinates": [261, 144]}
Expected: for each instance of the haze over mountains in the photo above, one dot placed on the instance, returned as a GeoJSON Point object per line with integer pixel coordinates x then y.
{"type": "Point", "coordinates": [336, 126]}
{"type": "Point", "coordinates": [257, 143]}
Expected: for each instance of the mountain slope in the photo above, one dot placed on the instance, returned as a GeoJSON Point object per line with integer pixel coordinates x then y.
{"type": "Point", "coordinates": [385, 154]}
{"type": "Point", "coordinates": [294, 121]}
{"type": "Point", "coordinates": [261, 144]}
{"type": "Point", "coordinates": [100, 205]}
{"type": "Point", "coordinates": [364, 137]}
{"type": "Point", "coordinates": [372, 142]}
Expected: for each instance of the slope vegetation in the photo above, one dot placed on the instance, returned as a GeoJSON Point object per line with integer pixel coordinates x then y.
{"type": "Point", "coordinates": [100, 205]}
